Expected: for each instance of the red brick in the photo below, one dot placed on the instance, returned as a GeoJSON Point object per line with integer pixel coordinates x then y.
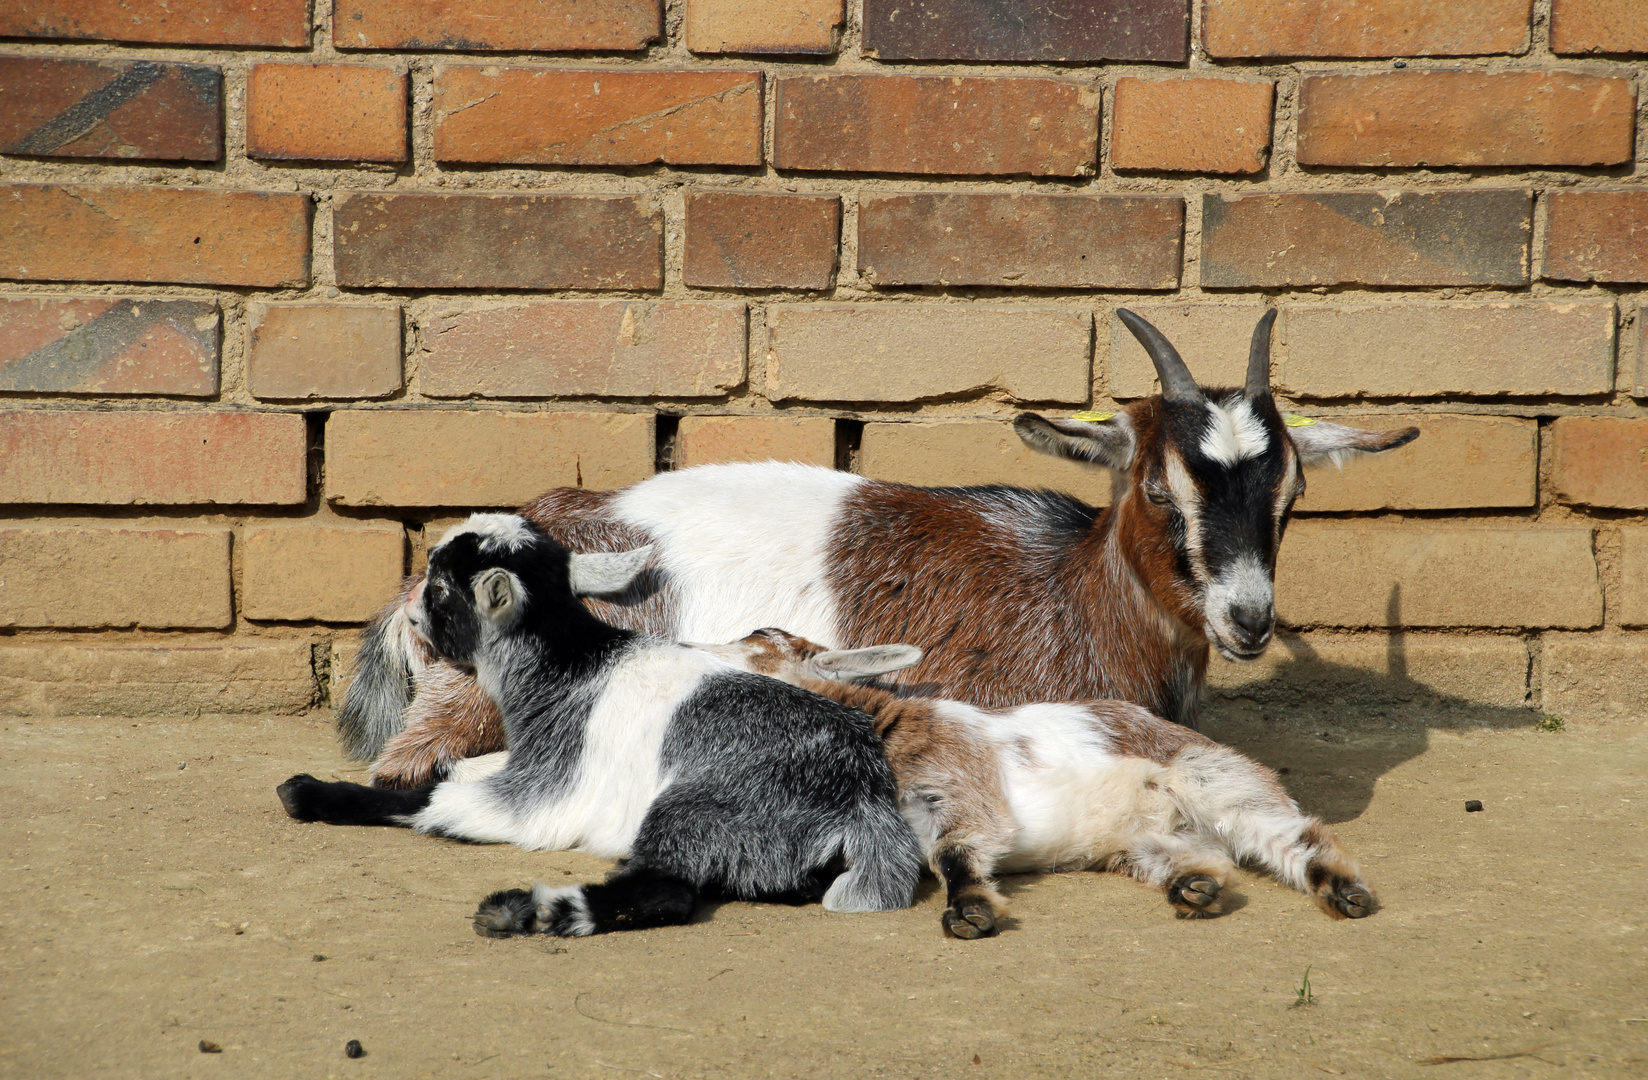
{"type": "Point", "coordinates": [542, 116]}
{"type": "Point", "coordinates": [762, 26]}
{"type": "Point", "coordinates": [475, 458]}
{"type": "Point", "coordinates": [1596, 236]}
{"type": "Point", "coordinates": [936, 124]}
{"type": "Point", "coordinates": [1600, 460]}
{"type": "Point", "coordinates": [72, 233]}
{"type": "Point", "coordinates": [421, 241]}
{"type": "Point", "coordinates": [308, 571]}
{"type": "Point", "coordinates": [569, 348]}
{"type": "Point", "coordinates": [281, 24]}
{"type": "Point", "coordinates": [1599, 26]}
{"type": "Point", "coordinates": [1191, 124]}
{"type": "Point", "coordinates": [1410, 118]}
{"type": "Point", "coordinates": [704, 440]}
{"type": "Point", "coordinates": [109, 345]}
{"type": "Point", "coordinates": [110, 109]}
{"type": "Point", "coordinates": [152, 458]}
{"type": "Point", "coordinates": [325, 112]}
{"type": "Point", "coordinates": [744, 240]}
{"type": "Point", "coordinates": [1364, 27]}
{"type": "Point", "coordinates": [1477, 237]}
{"type": "Point", "coordinates": [331, 351]}
{"type": "Point", "coordinates": [79, 576]}
{"type": "Point", "coordinates": [1024, 240]}
{"type": "Point", "coordinates": [496, 25]}
{"type": "Point", "coordinates": [1047, 30]}
{"type": "Point", "coordinates": [1630, 603]}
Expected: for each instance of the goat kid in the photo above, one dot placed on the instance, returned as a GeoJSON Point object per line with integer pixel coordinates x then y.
{"type": "Point", "coordinates": [1013, 595]}
{"type": "Point", "coordinates": [705, 778]}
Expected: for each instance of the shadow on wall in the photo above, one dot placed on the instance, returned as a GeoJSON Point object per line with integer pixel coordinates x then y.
{"type": "Point", "coordinates": [1333, 729]}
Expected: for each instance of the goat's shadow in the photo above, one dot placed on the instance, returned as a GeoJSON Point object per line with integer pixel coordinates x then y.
{"type": "Point", "coordinates": [1333, 729]}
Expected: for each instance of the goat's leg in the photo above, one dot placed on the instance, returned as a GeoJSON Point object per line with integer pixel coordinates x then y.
{"type": "Point", "coordinates": [309, 799]}
{"type": "Point", "coordinates": [1190, 871]}
{"type": "Point", "coordinates": [450, 719]}
{"type": "Point", "coordinates": [972, 904]}
{"type": "Point", "coordinates": [632, 899]}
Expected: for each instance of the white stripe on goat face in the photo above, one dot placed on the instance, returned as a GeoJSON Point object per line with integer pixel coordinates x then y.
{"type": "Point", "coordinates": [1233, 433]}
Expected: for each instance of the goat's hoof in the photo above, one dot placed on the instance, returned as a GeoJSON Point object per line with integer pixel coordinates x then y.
{"type": "Point", "coordinates": [1352, 900]}
{"type": "Point", "coordinates": [970, 921]}
{"type": "Point", "coordinates": [506, 913]}
{"type": "Point", "coordinates": [1195, 894]}
{"type": "Point", "coordinates": [297, 797]}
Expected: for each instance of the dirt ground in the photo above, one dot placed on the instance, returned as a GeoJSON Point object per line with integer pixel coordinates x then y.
{"type": "Point", "coordinates": [155, 895]}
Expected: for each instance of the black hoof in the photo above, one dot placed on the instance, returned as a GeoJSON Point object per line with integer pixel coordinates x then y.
{"type": "Point", "coordinates": [1195, 894]}
{"type": "Point", "coordinates": [1351, 900]}
{"type": "Point", "coordinates": [506, 913]}
{"type": "Point", "coordinates": [970, 921]}
{"type": "Point", "coordinates": [297, 796]}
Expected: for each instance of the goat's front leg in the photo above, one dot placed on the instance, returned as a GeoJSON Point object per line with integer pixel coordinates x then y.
{"type": "Point", "coordinates": [308, 799]}
{"type": "Point", "coordinates": [632, 899]}
{"type": "Point", "coordinates": [972, 904]}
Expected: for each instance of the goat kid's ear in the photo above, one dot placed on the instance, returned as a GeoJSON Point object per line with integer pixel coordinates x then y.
{"type": "Point", "coordinates": [842, 664]}
{"type": "Point", "coordinates": [606, 573]}
{"type": "Point", "coordinates": [1108, 442]}
{"type": "Point", "coordinates": [495, 593]}
{"type": "Point", "coordinates": [1320, 442]}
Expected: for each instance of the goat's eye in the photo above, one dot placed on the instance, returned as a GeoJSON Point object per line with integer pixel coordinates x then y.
{"type": "Point", "coordinates": [439, 589]}
{"type": "Point", "coordinates": [1157, 496]}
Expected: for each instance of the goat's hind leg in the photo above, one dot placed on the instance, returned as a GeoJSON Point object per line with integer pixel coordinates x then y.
{"type": "Point", "coordinates": [1332, 878]}
{"type": "Point", "coordinates": [972, 904]}
{"type": "Point", "coordinates": [632, 899]}
{"type": "Point", "coordinates": [1192, 875]}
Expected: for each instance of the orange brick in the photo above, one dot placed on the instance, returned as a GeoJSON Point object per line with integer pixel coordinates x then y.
{"type": "Point", "coordinates": [1631, 603]}
{"type": "Point", "coordinates": [1413, 118]}
{"type": "Point", "coordinates": [1191, 124]}
{"type": "Point", "coordinates": [109, 345]}
{"type": "Point", "coordinates": [705, 440]}
{"type": "Point", "coordinates": [331, 574]}
{"type": "Point", "coordinates": [1600, 460]}
{"type": "Point", "coordinates": [1599, 26]}
{"type": "Point", "coordinates": [1596, 236]}
{"type": "Point", "coordinates": [1364, 27]}
{"type": "Point", "coordinates": [325, 112]}
{"type": "Point", "coordinates": [81, 576]}
{"type": "Point", "coordinates": [496, 25]}
{"type": "Point", "coordinates": [748, 240]}
{"type": "Point", "coordinates": [1594, 679]}
{"type": "Point", "coordinates": [762, 26]}
{"type": "Point", "coordinates": [335, 351]}
{"type": "Point", "coordinates": [281, 24]}
{"type": "Point", "coordinates": [50, 232]}
{"type": "Point", "coordinates": [152, 458]}
{"type": "Point", "coordinates": [542, 116]}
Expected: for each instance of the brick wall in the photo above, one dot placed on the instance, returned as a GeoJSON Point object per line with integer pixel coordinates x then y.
{"type": "Point", "coordinates": [288, 285]}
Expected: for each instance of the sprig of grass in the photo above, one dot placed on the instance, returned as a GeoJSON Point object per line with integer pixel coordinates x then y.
{"type": "Point", "coordinates": [1547, 722]}
{"type": "Point", "coordinates": [1304, 996]}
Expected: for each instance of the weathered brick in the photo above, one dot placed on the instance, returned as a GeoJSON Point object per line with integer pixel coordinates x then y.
{"type": "Point", "coordinates": [1459, 462]}
{"type": "Point", "coordinates": [470, 459]}
{"type": "Point", "coordinates": [110, 109]}
{"type": "Point", "coordinates": [1600, 460]}
{"type": "Point", "coordinates": [763, 26]}
{"type": "Point", "coordinates": [497, 25]}
{"type": "Point", "coordinates": [1366, 238]}
{"type": "Point", "coordinates": [331, 574]}
{"type": "Point", "coordinates": [50, 232]}
{"type": "Point", "coordinates": [152, 458]}
{"type": "Point", "coordinates": [1025, 240]}
{"type": "Point", "coordinates": [1596, 236]}
{"type": "Point", "coordinates": [1599, 26]}
{"type": "Point", "coordinates": [936, 124]}
{"type": "Point", "coordinates": [1592, 680]}
{"type": "Point", "coordinates": [887, 352]}
{"type": "Point", "coordinates": [108, 345]}
{"type": "Point", "coordinates": [961, 452]}
{"type": "Point", "coordinates": [1408, 118]}
{"type": "Point", "coordinates": [1630, 604]}
{"type": "Point", "coordinates": [1419, 575]}
{"type": "Point", "coordinates": [1048, 30]}
{"type": "Point", "coordinates": [705, 440]}
{"type": "Point", "coordinates": [1364, 27]}
{"type": "Point", "coordinates": [84, 576]}
{"type": "Point", "coordinates": [1640, 389]}
{"type": "Point", "coordinates": [1191, 124]}
{"type": "Point", "coordinates": [1212, 338]}
{"type": "Point", "coordinates": [545, 116]}
{"type": "Point", "coordinates": [334, 351]}
{"type": "Point", "coordinates": [498, 241]}
{"type": "Point", "coordinates": [325, 112]}
{"type": "Point", "coordinates": [566, 348]}
{"type": "Point", "coordinates": [744, 240]}
{"type": "Point", "coordinates": [1424, 350]}
{"type": "Point", "coordinates": [151, 678]}
{"type": "Point", "coordinates": [1380, 669]}
{"type": "Point", "coordinates": [281, 24]}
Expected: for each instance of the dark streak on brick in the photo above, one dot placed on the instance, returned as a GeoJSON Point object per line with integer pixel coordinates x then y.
{"type": "Point", "coordinates": [140, 109]}
{"type": "Point", "coordinates": [114, 352]}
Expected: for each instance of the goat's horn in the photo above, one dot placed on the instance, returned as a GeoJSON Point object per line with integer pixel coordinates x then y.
{"type": "Point", "coordinates": [1258, 357]}
{"type": "Point", "coordinates": [1177, 383]}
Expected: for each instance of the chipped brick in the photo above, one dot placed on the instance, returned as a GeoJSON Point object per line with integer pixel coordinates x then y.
{"type": "Point", "coordinates": [497, 25]}
{"type": "Point", "coordinates": [1191, 124]}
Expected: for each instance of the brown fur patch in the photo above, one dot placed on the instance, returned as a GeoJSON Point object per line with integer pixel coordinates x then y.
{"type": "Point", "coordinates": [450, 718]}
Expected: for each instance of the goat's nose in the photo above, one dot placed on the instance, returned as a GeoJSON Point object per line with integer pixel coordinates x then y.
{"type": "Point", "coordinates": [1255, 620]}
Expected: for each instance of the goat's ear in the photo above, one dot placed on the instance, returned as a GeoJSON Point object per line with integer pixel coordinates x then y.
{"type": "Point", "coordinates": [1320, 442]}
{"type": "Point", "coordinates": [839, 664]}
{"type": "Point", "coordinates": [1108, 441]}
{"type": "Point", "coordinates": [606, 573]}
{"type": "Point", "coordinates": [496, 593]}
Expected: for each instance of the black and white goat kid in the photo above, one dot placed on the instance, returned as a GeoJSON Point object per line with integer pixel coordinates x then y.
{"type": "Point", "coordinates": [705, 779]}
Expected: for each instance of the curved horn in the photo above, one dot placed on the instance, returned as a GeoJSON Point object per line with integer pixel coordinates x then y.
{"type": "Point", "coordinates": [1258, 357]}
{"type": "Point", "coordinates": [1177, 383]}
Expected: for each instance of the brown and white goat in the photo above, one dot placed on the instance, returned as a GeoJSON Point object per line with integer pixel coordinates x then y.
{"type": "Point", "coordinates": [1014, 595]}
{"type": "Point", "coordinates": [1077, 785]}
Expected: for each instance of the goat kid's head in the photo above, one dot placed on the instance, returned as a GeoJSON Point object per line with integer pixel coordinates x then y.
{"type": "Point", "coordinates": [1207, 481]}
{"type": "Point", "coordinates": [790, 658]}
{"type": "Point", "coordinates": [494, 570]}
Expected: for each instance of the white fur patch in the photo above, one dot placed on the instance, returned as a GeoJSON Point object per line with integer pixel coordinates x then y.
{"type": "Point", "coordinates": [1246, 582]}
{"type": "Point", "coordinates": [569, 900]}
{"type": "Point", "coordinates": [1233, 433]}
{"type": "Point", "coordinates": [475, 769]}
{"type": "Point", "coordinates": [506, 531]}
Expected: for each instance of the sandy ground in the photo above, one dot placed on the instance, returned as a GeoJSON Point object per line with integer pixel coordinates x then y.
{"type": "Point", "coordinates": [155, 895]}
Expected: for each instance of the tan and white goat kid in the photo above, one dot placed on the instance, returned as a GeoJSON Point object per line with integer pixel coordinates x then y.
{"type": "Point", "coordinates": [1102, 785]}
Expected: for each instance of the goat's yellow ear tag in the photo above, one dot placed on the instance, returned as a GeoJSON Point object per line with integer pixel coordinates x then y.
{"type": "Point", "coordinates": [1295, 420]}
{"type": "Point", "coordinates": [1096, 417]}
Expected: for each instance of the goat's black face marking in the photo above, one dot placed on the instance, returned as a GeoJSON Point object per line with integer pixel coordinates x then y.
{"type": "Point", "coordinates": [451, 618]}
